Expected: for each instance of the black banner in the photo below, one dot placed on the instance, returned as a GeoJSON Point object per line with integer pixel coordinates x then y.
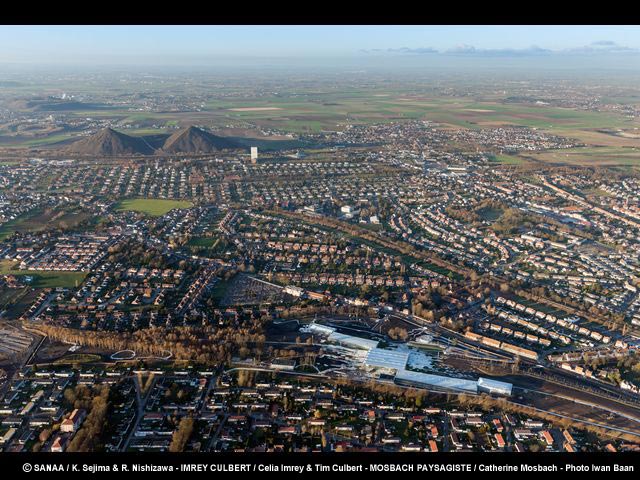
{"type": "Point", "coordinates": [197, 464]}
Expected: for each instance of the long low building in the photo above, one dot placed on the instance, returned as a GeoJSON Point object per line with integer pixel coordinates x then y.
{"type": "Point", "coordinates": [332, 335]}
{"type": "Point", "coordinates": [494, 386]}
{"type": "Point", "coordinates": [353, 342]}
{"type": "Point", "coordinates": [420, 379]}
{"type": "Point", "coordinates": [395, 362]}
{"type": "Point", "coordinates": [319, 329]}
{"type": "Point", "coordinates": [389, 359]}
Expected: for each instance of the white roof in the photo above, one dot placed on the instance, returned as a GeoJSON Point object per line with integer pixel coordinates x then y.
{"type": "Point", "coordinates": [449, 383]}
{"type": "Point", "coordinates": [379, 357]}
{"type": "Point", "coordinates": [494, 385]}
{"type": "Point", "coordinates": [321, 329]}
{"type": "Point", "coordinates": [356, 342]}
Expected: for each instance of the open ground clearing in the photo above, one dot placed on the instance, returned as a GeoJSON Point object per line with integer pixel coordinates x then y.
{"type": "Point", "coordinates": [313, 112]}
{"type": "Point", "coordinates": [43, 279]}
{"type": "Point", "coordinates": [41, 219]}
{"type": "Point", "coordinates": [602, 156]}
{"type": "Point", "coordinates": [154, 207]}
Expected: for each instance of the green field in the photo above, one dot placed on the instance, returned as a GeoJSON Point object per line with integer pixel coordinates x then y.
{"type": "Point", "coordinates": [601, 156]}
{"type": "Point", "coordinates": [320, 111]}
{"type": "Point", "coordinates": [9, 228]}
{"type": "Point", "coordinates": [41, 219]}
{"type": "Point", "coordinates": [153, 207]}
{"type": "Point", "coordinates": [202, 242]}
{"type": "Point", "coordinates": [43, 279]}
{"type": "Point", "coordinates": [490, 214]}
{"type": "Point", "coordinates": [508, 159]}
{"type": "Point", "coordinates": [219, 290]}
{"type": "Point", "coordinates": [77, 358]}
{"type": "Point", "coordinates": [49, 140]}
{"type": "Point", "coordinates": [313, 110]}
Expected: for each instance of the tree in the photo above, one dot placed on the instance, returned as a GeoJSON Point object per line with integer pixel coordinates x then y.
{"type": "Point", "coordinates": [181, 435]}
{"type": "Point", "coordinates": [88, 437]}
{"type": "Point", "coordinates": [44, 435]}
{"type": "Point", "coordinates": [398, 333]}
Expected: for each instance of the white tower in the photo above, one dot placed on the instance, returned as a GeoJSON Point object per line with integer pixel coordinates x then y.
{"type": "Point", "coordinates": [254, 154]}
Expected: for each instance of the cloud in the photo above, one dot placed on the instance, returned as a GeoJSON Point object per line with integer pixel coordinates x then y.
{"type": "Point", "coordinates": [401, 51]}
{"type": "Point", "coordinates": [603, 46]}
{"type": "Point", "coordinates": [413, 51]}
{"type": "Point", "coordinates": [595, 48]}
{"type": "Point", "coordinates": [463, 49]}
{"type": "Point", "coordinates": [499, 52]}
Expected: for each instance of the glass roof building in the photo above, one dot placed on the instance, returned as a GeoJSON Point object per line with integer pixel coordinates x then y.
{"type": "Point", "coordinates": [390, 359]}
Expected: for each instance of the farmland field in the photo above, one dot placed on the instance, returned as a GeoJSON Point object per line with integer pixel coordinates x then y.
{"type": "Point", "coordinates": [154, 207]}
{"type": "Point", "coordinates": [602, 156]}
{"type": "Point", "coordinates": [312, 111]}
{"type": "Point", "coordinates": [331, 111]}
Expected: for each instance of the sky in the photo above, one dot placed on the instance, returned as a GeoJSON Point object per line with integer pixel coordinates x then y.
{"type": "Point", "coordinates": [202, 45]}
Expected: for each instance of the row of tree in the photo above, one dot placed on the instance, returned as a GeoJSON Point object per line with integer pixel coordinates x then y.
{"type": "Point", "coordinates": [181, 435]}
{"type": "Point", "coordinates": [206, 345]}
{"type": "Point", "coordinates": [89, 437]}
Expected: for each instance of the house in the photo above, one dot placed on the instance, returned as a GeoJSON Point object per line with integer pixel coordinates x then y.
{"type": "Point", "coordinates": [412, 447]}
{"type": "Point", "coordinates": [288, 430]}
{"type": "Point", "coordinates": [568, 437]}
{"type": "Point", "coordinates": [71, 424]}
{"type": "Point", "coordinates": [58, 445]}
{"type": "Point", "coordinates": [6, 438]}
{"type": "Point", "coordinates": [455, 440]}
{"type": "Point", "coordinates": [546, 436]}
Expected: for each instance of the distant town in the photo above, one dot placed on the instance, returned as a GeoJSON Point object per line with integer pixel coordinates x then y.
{"type": "Point", "coordinates": [404, 266]}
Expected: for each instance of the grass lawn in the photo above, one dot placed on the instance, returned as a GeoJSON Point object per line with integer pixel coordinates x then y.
{"type": "Point", "coordinates": [202, 242]}
{"type": "Point", "coordinates": [43, 279]}
{"type": "Point", "coordinates": [78, 358]}
{"type": "Point", "coordinates": [490, 214]}
{"type": "Point", "coordinates": [219, 290]}
{"type": "Point", "coordinates": [154, 207]}
{"type": "Point", "coordinates": [17, 225]}
{"type": "Point", "coordinates": [41, 219]}
{"type": "Point", "coordinates": [508, 159]}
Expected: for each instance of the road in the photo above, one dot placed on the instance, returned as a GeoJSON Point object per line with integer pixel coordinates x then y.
{"type": "Point", "coordinates": [588, 404]}
{"type": "Point", "coordinates": [141, 403]}
{"type": "Point", "coordinates": [582, 421]}
{"type": "Point", "coordinates": [214, 438]}
{"type": "Point", "coordinates": [579, 390]}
